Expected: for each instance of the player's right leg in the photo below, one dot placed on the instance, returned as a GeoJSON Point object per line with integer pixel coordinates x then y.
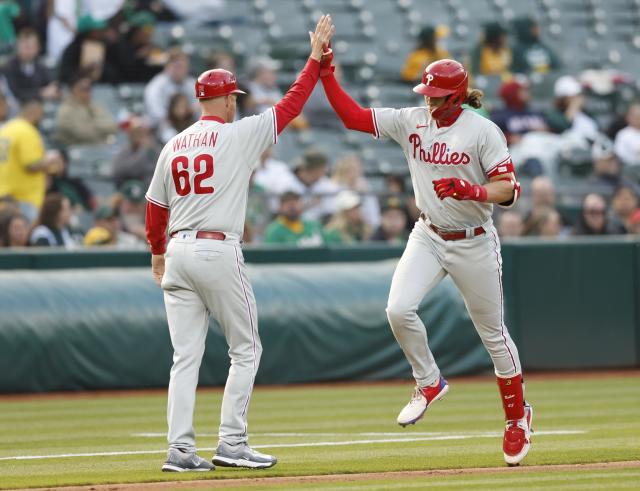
{"type": "Point", "coordinates": [417, 273]}
{"type": "Point", "coordinates": [188, 323]}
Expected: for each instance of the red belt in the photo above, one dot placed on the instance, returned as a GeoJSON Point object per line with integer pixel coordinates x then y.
{"type": "Point", "coordinates": [204, 234]}
{"type": "Point", "coordinates": [453, 234]}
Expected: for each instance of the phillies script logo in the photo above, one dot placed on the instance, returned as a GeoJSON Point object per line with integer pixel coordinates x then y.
{"type": "Point", "coordinates": [438, 153]}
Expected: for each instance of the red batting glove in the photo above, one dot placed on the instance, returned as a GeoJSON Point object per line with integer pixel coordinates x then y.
{"type": "Point", "coordinates": [326, 67]}
{"type": "Point", "coordinates": [453, 187]}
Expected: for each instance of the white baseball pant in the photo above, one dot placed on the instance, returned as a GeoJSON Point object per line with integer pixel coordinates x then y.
{"type": "Point", "coordinates": [208, 277]}
{"type": "Point", "coordinates": [475, 266]}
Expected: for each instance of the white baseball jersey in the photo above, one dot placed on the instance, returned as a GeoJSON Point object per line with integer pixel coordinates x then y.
{"type": "Point", "coordinates": [202, 175]}
{"type": "Point", "coordinates": [471, 148]}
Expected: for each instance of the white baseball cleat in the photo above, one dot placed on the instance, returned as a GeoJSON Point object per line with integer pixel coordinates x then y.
{"type": "Point", "coordinates": [422, 398]}
{"type": "Point", "coordinates": [517, 438]}
{"type": "Point", "coordinates": [241, 455]}
{"type": "Point", "coordinates": [179, 460]}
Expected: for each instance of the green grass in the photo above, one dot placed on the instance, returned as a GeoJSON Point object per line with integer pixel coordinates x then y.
{"type": "Point", "coordinates": [605, 409]}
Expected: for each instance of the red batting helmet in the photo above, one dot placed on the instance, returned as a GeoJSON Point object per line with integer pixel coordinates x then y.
{"type": "Point", "coordinates": [444, 78]}
{"type": "Point", "coordinates": [216, 83]}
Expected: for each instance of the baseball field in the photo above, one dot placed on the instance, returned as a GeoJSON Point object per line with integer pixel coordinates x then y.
{"type": "Point", "coordinates": [587, 436]}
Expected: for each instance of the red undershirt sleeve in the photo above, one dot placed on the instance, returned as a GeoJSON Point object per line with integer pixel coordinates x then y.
{"type": "Point", "coordinates": [156, 227]}
{"type": "Point", "coordinates": [353, 116]}
{"type": "Point", "coordinates": [290, 106]}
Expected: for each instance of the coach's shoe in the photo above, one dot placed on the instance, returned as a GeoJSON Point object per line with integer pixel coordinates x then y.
{"type": "Point", "coordinates": [422, 398]}
{"type": "Point", "coordinates": [517, 437]}
{"type": "Point", "coordinates": [179, 460]}
{"type": "Point", "coordinates": [242, 455]}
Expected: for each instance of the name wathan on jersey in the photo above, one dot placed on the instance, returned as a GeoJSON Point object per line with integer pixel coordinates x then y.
{"type": "Point", "coordinates": [203, 138]}
{"type": "Point", "coordinates": [438, 153]}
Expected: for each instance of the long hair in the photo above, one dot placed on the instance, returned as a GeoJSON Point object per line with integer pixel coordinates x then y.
{"type": "Point", "coordinates": [473, 98]}
{"type": "Point", "coordinates": [50, 211]}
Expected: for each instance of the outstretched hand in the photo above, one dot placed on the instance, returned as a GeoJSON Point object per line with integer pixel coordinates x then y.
{"type": "Point", "coordinates": [321, 36]}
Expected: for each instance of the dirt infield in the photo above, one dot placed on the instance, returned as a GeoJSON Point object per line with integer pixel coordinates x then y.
{"type": "Point", "coordinates": [275, 482]}
{"type": "Point", "coordinates": [556, 375]}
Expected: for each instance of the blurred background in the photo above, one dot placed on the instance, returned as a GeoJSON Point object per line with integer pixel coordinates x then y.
{"type": "Point", "coordinates": [96, 88]}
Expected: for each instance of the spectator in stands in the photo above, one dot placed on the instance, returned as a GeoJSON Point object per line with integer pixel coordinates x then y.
{"type": "Point", "coordinates": [393, 223]}
{"type": "Point", "coordinates": [547, 222]}
{"type": "Point", "coordinates": [24, 164]}
{"type": "Point", "coordinates": [136, 159]}
{"type": "Point", "coordinates": [634, 223]}
{"type": "Point", "coordinates": [289, 227]}
{"type": "Point", "coordinates": [80, 120]}
{"type": "Point", "coordinates": [311, 182]}
{"type": "Point", "coordinates": [134, 56]}
{"type": "Point", "coordinates": [627, 142]}
{"type": "Point", "coordinates": [348, 174]}
{"type": "Point", "coordinates": [567, 113]}
{"type": "Point", "coordinates": [530, 54]}
{"type": "Point", "coordinates": [259, 213]}
{"type": "Point", "coordinates": [14, 231]}
{"type": "Point", "coordinates": [607, 168]}
{"type": "Point", "coordinates": [26, 76]}
{"type": "Point", "coordinates": [426, 51]}
{"type": "Point", "coordinates": [543, 197]}
{"type": "Point", "coordinates": [623, 205]}
{"type": "Point", "coordinates": [107, 230]}
{"type": "Point", "coordinates": [516, 117]}
{"type": "Point", "coordinates": [173, 79]}
{"type": "Point", "coordinates": [263, 84]}
{"type": "Point", "coordinates": [274, 177]}
{"type": "Point", "coordinates": [394, 184]}
{"type": "Point", "coordinates": [492, 55]}
{"type": "Point", "coordinates": [348, 225]}
{"type": "Point", "coordinates": [510, 224]}
{"type": "Point", "coordinates": [87, 53]}
{"type": "Point", "coordinates": [131, 205]}
{"type": "Point", "coordinates": [179, 118]}
{"type": "Point", "coordinates": [52, 228]}
{"type": "Point", "coordinates": [62, 22]}
{"type": "Point", "coordinates": [72, 187]}
{"type": "Point", "coordinates": [593, 217]}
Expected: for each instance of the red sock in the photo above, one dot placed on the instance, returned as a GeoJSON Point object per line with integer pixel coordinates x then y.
{"type": "Point", "coordinates": [512, 397]}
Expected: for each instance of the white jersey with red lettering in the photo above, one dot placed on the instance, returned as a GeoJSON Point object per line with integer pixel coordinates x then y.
{"type": "Point", "coordinates": [202, 175]}
{"type": "Point", "coordinates": [472, 148]}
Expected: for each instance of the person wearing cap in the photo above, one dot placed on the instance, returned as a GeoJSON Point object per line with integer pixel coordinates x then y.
{"type": "Point", "coordinates": [289, 228]}
{"type": "Point", "coordinates": [517, 118]}
{"type": "Point", "coordinates": [530, 54]}
{"type": "Point", "coordinates": [87, 53]}
{"type": "Point", "coordinates": [131, 206]}
{"type": "Point", "coordinates": [393, 223]}
{"type": "Point", "coordinates": [427, 50]}
{"type": "Point", "coordinates": [136, 159]}
{"type": "Point", "coordinates": [567, 113]}
{"type": "Point", "coordinates": [348, 174]}
{"type": "Point", "coordinates": [134, 55]}
{"type": "Point", "coordinates": [107, 230]}
{"type": "Point", "coordinates": [274, 177]}
{"type": "Point", "coordinates": [348, 225]}
{"type": "Point", "coordinates": [81, 120]}
{"type": "Point", "coordinates": [607, 169]}
{"type": "Point", "coordinates": [173, 79]}
{"type": "Point", "coordinates": [492, 55]}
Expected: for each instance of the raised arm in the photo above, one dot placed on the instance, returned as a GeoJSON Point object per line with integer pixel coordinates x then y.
{"type": "Point", "coordinates": [291, 104]}
{"type": "Point", "coordinates": [353, 116]}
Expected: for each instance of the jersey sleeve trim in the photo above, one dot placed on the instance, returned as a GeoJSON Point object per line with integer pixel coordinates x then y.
{"type": "Point", "coordinates": [505, 166]}
{"type": "Point", "coordinates": [275, 125]}
{"type": "Point", "coordinates": [375, 124]}
{"type": "Point", "coordinates": [156, 202]}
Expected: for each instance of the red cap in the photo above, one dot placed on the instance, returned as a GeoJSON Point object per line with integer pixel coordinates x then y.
{"type": "Point", "coordinates": [216, 83]}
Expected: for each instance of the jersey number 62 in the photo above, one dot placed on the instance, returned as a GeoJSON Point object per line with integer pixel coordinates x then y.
{"type": "Point", "coordinates": [202, 168]}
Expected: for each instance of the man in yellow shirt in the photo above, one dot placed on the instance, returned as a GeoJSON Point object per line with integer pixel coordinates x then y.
{"type": "Point", "coordinates": [24, 164]}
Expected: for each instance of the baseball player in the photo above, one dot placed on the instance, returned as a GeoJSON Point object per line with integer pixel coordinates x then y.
{"type": "Point", "coordinates": [460, 166]}
{"type": "Point", "coordinates": [200, 188]}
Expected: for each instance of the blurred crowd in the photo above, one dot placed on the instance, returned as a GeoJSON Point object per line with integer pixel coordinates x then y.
{"type": "Point", "coordinates": [56, 55]}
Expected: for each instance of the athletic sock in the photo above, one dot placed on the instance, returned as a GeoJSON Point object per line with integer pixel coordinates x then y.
{"type": "Point", "coordinates": [512, 397]}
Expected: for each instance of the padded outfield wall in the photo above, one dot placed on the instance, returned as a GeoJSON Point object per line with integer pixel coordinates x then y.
{"type": "Point", "coordinates": [96, 320]}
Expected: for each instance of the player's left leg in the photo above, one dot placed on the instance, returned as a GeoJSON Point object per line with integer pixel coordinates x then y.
{"type": "Point", "coordinates": [475, 266]}
{"type": "Point", "coordinates": [230, 299]}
